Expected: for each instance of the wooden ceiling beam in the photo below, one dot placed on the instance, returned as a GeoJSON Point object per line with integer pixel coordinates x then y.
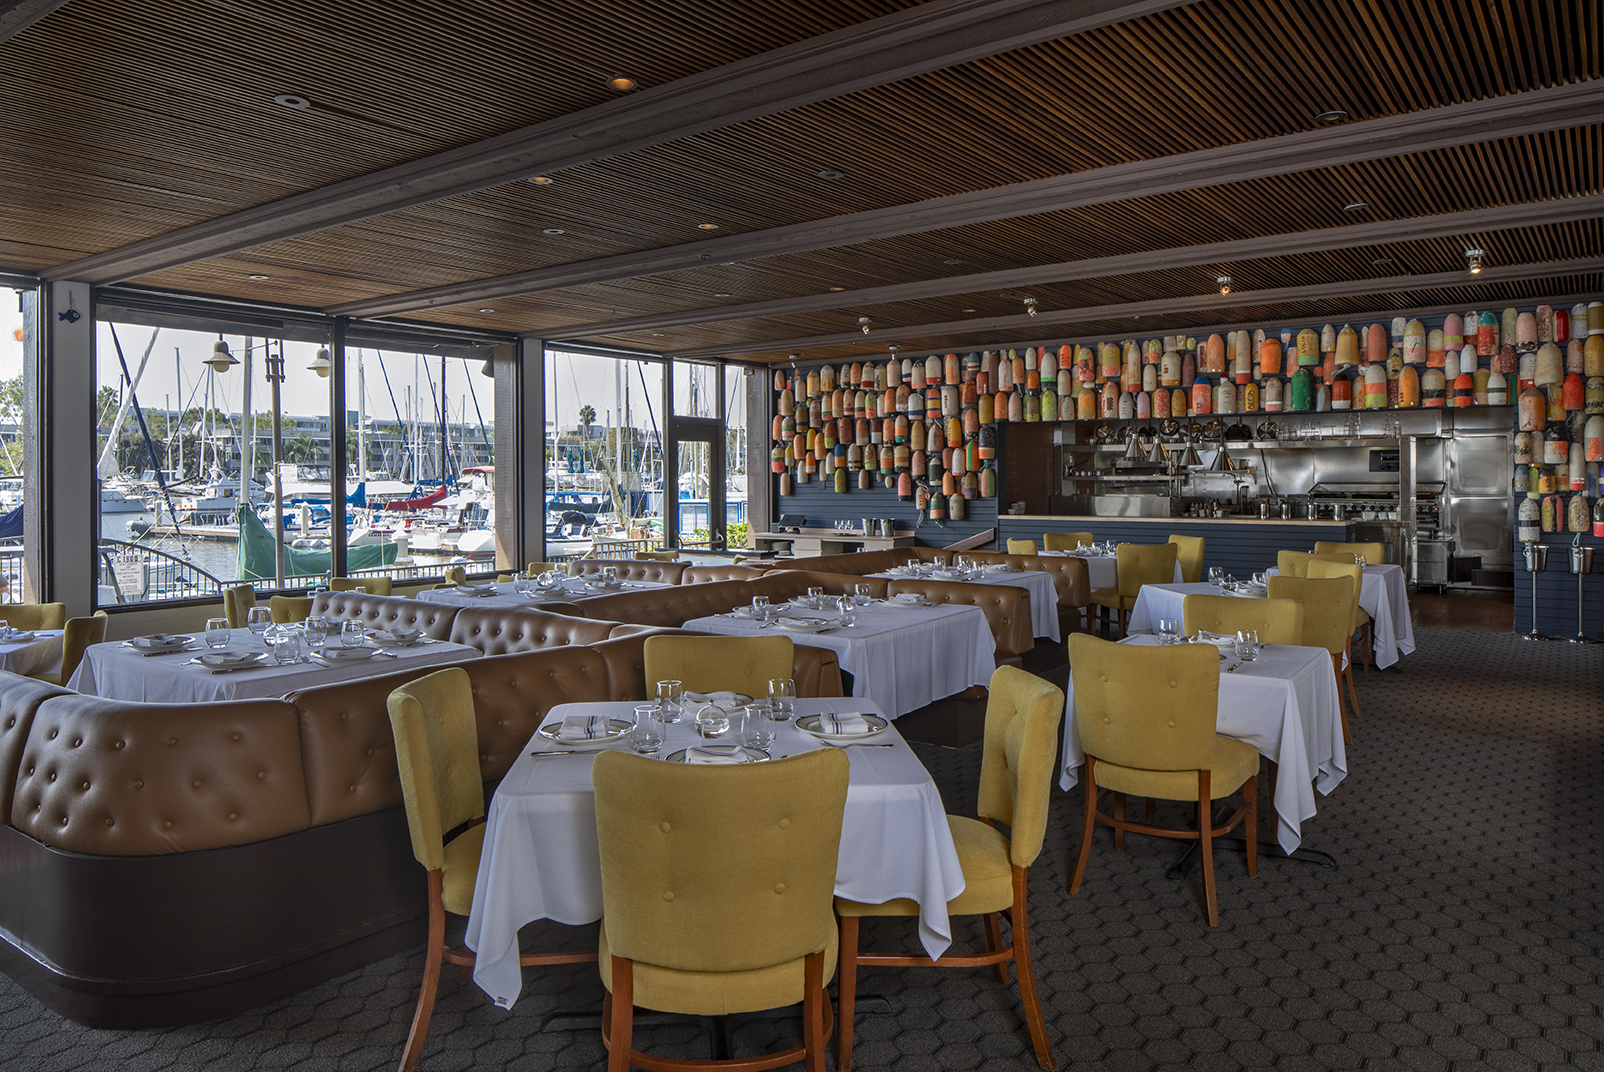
{"type": "Point", "coordinates": [924, 38]}
{"type": "Point", "coordinates": [1502, 217]}
{"type": "Point", "coordinates": [17, 15]}
{"type": "Point", "coordinates": [1498, 118]}
{"type": "Point", "coordinates": [1183, 303]}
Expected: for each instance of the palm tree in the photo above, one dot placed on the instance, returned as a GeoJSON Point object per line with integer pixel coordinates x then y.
{"type": "Point", "coordinates": [587, 417]}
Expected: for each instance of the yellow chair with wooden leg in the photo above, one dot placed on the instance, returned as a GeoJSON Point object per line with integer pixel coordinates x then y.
{"type": "Point", "coordinates": [1017, 764]}
{"type": "Point", "coordinates": [716, 885]}
{"type": "Point", "coordinates": [238, 602]}
{"type": "Point", "coordinates": [1147, 717]}
{"type": "Point", "coordinates": [1359, 622]}
{"type": "Point", "coordinates": [1065, 541]}
{"type": "Point", "coordinates": [1136, 564]}
{"type": "Point", "coordinates": [78, 634]}
{"type": "Point", "coordinates": [437, 751]}
{"type": "Point", "coordinates": [373, 586]}
{"type": "Point", "coordinates": [1374, 555]}
{"type": "Point", "coordinates": [289, 609]}
{"type": "Point", "coordinates": [1189, 554]}
{"type": "Point", "coordinates": [1325, 625]}
{"type": "Point", "coordinates": [1022, 547]}
{"type": "Point", "coordinates": [34, 615]}
{"type": "Point", "coordinates": [1279, 621]}
{"type": "Point", "coordinates": [719, 664]}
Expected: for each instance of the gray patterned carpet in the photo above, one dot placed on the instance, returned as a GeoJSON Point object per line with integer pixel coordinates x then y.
{"type": "Point", "coordinates": [1461, 929]}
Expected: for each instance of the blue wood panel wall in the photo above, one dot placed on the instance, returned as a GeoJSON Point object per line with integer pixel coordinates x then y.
{"type": "Point", "coordinates": [1239, 549]}
{"type": "Point", "coordinates": [1556, 590]}
{"type": "Point", "coordinates": [824, 506]}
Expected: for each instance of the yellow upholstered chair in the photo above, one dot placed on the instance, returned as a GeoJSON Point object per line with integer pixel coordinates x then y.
{"type": "Point", "coordinates": [1136, 564]}
{"type": "Point", "coordinates": [716, 889]}
{"type": "Point", "coordinates": [238, 602]}
{"type": "Point", "coordinates": [1189, 553]}
{"type": "Point", "coordinates": [541, 567]}
{"type": "Point", "coordinates": [34, 615]}
{"type": "Point", "coordinates": [455, 575]}
{"type": "Point", "coordinates": [1359, 620]}
{"type": "Point", "coordinates": [1021, 547]}
{"type": "Point", "coordinates": [503, 578]}
{"type": "Point", "coordinates": [1279, 621]}
{"type": "Point", "coordinates": [1147, 719]}
{"type": "Point", "coordinates": [1325, 625]}
{"type": "Point", "coordinates": [1065, 541]}
{"type": "Point", "coordinates": [1017, 764]}
{"type": "Point", "coordinates": [437, 751]}
{"type": "Point", "coordinates": [78, 634]}
{"type": "Point", "coordinates": [287, 609]}
{"type": "Point", "coordinates": [1374, 554]}
{"type": "Point", "coordinates": [373, 586]}
{"type": "Point", "coordinates": [657, 556]}
{"type": "Point", "coordinates": [718, 664]}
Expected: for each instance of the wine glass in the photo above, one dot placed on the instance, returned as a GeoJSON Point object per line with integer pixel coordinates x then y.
{"type": "Point", "coordinates": [257, 619]}
{"type": "Point", "coordinates": [757, 726]}
{"type": "Point", "coordinates": [782, 698]}
{"type": "Point", "coordinates": [670, 700]}
{"type": "Point", "coordinates": [712, 722]}
{"type": "Point", "coordinates": [610, 575]}
{"type": "Point", "coordinates": [217, 633]}
{"type": "Point", "coordinates": [549, 580]}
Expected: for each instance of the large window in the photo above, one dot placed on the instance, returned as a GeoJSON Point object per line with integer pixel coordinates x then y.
{"type": "Point", "coordinates": [14, 376]}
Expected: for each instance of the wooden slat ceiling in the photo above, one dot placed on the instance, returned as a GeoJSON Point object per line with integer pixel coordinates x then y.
{"type": "Point", "coordinates": [128, 122]}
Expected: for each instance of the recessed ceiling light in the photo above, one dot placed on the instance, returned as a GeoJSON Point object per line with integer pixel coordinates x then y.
{"type": "Point", "coordinates": [832, 173]}
{"type": "Point", "coordinates": [969, 310]}
{"type": "Point", "coordinates": [487, 309]}
{"type": "Point", "coordinates": [542, 180]}
{"type": "Point", "coordinates": [290, 100]}
{"type": "Point", "coordinates": [553, 230]}
{"type": "Point", "coordinates": [953, 260]}
{"type": "Point", "coordinates": [1355, 206]}
{"type": "Point", "coordinates": [708, 226]}
{"type": "Point", "coordinates": [258, 277]}
{"type": "Point", "coordinates": [623, 85]}
{"type": "Point", "coordinates": [1335, 115]}
{"type": "Point", "coordinates": [657, 334]}
{"type": "Point", "coordinates": [837, 290]}
{"type": "Point", "coordinates": [722, 295]}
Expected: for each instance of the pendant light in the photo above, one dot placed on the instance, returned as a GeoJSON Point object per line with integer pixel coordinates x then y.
{"type": "Point", "coordinates": [321, 363]}
{"type": "Point", "coordinates": [221, 360]}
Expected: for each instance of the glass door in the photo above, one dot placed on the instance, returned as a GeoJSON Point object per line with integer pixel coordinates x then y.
{"type": "Point", "coordinates": [694, 493]}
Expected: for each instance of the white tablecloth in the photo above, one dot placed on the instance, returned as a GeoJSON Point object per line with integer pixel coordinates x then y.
{"type": "Point", "coordinates": [1043, 596]}
{"type": "Point", "coordinates": [1285, 705]}
{"type": "Point", "coordinates": [119, 672]}
{"type": "Point", "coordinates": [504, 595]}
{"type": "Point", "coordinates": [540, 858]}
{"type": "Point", "coordinates": [1156, 602]}
{"type": "Point", "coordinates": [1101, 570]}
{"type": "Point", "coordinates": [901, 657]}
{"type": "Point", "coordinates": [1384, 595]}
{"type": "Point", "coordinates": [41, 655]}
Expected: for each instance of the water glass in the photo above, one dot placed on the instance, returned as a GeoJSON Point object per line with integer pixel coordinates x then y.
{"type": "Point", "coordinates": [670, 700]}
{"type": "Point", "coordinates": [353, 634]}
{"type": "Point", "coordinates": [285, 642]}
{"type": "Point", "coordinates": [760, 608]}
{"type": "Point", "coordinates": [1247, 644]}
{"type": "Point", "coordinates": [757, 726]}
{"type": "Point", "coordinates": [815, 595]}
{"type": "Point", "coordinates": [610, 574]}
{"type": "Point", "coordinates": [317, 633]}
{"type": "Point", "coordinates": [865, 594]}
{"type": "Point", "coordinates": [217, 635]}
{"type": "Point", "coordinates": [712, 722]}
{"type": "Point", "coordinates": [1216, 576]}
{"type": "Point", "coordinates": [939, 561]}
{"type": "Point", "coordinates": [782, 698]}
{"type": "Point", "coordinates": [549, 580]}
{"type": "Point", "coordinates": [1169, 630]}
{"type": "Point", "coordinates": [1261, 579]}
{"type": "Point", "coordinates": [849, 612]}
{"type": "Point", "coordinates": [257, 619]}
{"type": "Point", "coordinates": [647, 736]}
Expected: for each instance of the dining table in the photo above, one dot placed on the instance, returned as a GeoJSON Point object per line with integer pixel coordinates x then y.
{"type": "Point", "coordinates": [35, 652]}
{"type": "Point", "coordinates": [901, 655]}
{"type": "Point", "coordinates": [1101, 569]}
{"type": "Point", "coordinates": [541, 861]}
{"type": "Point", "coordinates": [503, 594]}
{"type": "Point", "coordinates": [1285, 704]}
{"type": "Point", "coordinates": [1039, 585]}
{"type": "Point", "coordinates": [120, 671]}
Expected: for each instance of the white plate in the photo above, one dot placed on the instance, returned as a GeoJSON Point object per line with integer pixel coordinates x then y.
{"type": "Point", "coordinates": [170, 643]}
{"type": "Point", "coordinates": [603, 586]}
{"type": "Point", "coordinates": [747, 755]}
{"type": "Point", "coordinates": [218, 659]}
{"type": "Point", "coordinates": [402, 639]}
{"type": "Point", "coordinates": [804, 625]}
{"type": "Point", "coordinates": [809, 724]}
{"type": "Point", "coordinates": [476, 590]}
{"type": "Point", "coordinates": [617, 729]}
{"type": "Point", "coordinates": [333, 654]}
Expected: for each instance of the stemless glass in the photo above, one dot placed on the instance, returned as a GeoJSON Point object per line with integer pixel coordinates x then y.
{"type": "Point", "coordinates": [317, 633]}
{"type": "Point", "coordinates": [670, 700]}
{"type": "Point", "coordinates": [782, 698]}
{"type": "Point", "coordinates": [217, 633]}
{"type": "Point", "coordinates": [647, 736]}
{"type": "Point", "coordinates": [1261, 579]}
{"type": "Point", "coordinates": [1169, 630]}
{"type": "Point", "coordinates": [352, 633]}
{"type": "Point", "coordinates": [1247, 644]}
{"type": "Point", "coordinates": [712, 722]}
{"type": "Point", "coordinates": [610, 575]}
{"type": "Point", "coordinates": [939, 561]}
{"type": "Point", "coordinates": [757, 726]}
{"type": "Point", "coordinates": [865, 594]}
{"type": "Point", "coordinates": [257, 619]}
{"type": "Point", "coordinates": [285, 642]}
{"type": "Point", "coordinates": [814, 596]}
{"type": "Point", "coordinates": [760, 608]}
{"type": "Point", "coordinates": [1216, 576]}
{"type": "Point", "coordinates": [849, 612]}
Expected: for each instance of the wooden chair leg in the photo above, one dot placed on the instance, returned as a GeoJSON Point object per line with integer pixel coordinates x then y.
{"type": "Point", "coordinates": [1367, 641]}
{"type": "Point", "coordinates": [848, 967]}
{"type": "Point", "coordinates": [1342, 707]}
{"type": "Point", "coordinates": [1027, 975]}
{"type": "Point", "coordinates": [994, 945]}
{"type": "Point", "coordinates": [1250, 797]}
{"type": "Point", "coordinates": [1205, 849]}
{"type": "Point", "coordinates": [1119, 813]}
{"type": "Point", "coordinates": [621, 1023]}
{"type": "Point", "coordinates": [1152, 811]}
{"type": "Point", "coordinates": [813, 1002]}
{"type": "Point", "coordinates": [1087, 827]}
{"type": "Point", "coordinates": [431, 973]}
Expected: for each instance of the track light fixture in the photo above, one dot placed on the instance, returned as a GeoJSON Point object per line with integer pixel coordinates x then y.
{"type": "Point", "coordinates": [863, 322]}
{"type": "Point", "coordinates": [1225, 284]}
{"type": "Point", "coordinates": [1030, 306]}
{"type": "Point", "coordinates": [1473, 260]}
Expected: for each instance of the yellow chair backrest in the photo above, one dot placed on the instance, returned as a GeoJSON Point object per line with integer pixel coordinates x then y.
{"type": "Point", "coordinates": [1319, 568]}
{"type": "Point", "coordinates": [503, 578]}
{"type": "Point", "coordinates": [1065, 541]}
{"type": "Point", "coordinates": [1021, 547]}
{"type": "Point", "coordinates": [1325, 608]}
{"type": "Point", "coordinates": [373, 586]}
{"type": "Point", "coordinates": [455, 575]}
{"type": "Point", "coordinates": [79, 634]}
{"type": "Point", "coordinates": [1149, 708]}
{"type": "Point", "coordinates": [1374, 554]}
{"type": "Point", "coordinates": [288, 609]}
{"type": "Point", "coordinates": [1189, 553]}
{"type": "Point", "coordinates": [1019, 756]}
{"type": "Point", "coordinates": [237, 604]}
{"type": "Point", "coordinates": [541, 567]}
{"type": "Point", "coordinates": [1144, 563]}
{"type": "Point", "coordinates": [672, 826]}
{"type": "Point", "coordinates": [657, 556]}
{"type": "Point", "coordinates": [718, 664]}
{"type": "Point", "coordinates": [437, 751]}
{"type": "Point", "coordinates": [1279, 621]}
{"type": "Point", "coordinates": [34, 615]}
{"type": "Point", "coordinates": [1293, 563]}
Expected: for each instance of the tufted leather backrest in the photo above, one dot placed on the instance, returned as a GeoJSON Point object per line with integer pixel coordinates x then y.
{"type": "Point", "coordinates": [786, 584]}
{"type": "Point", "coordinates": [1070, 579]}
{"type": "Point", "coordinates": [111, 778]}
{"type": "Point", "coordinates": [387, 612]}
{"type": "Point", "coordinates": [1007, 609]}
{"type": "Point", "coordinates": [630, 570]}
{"type": "Point", "coordinates": [20, 697]}
{"type": "Point", "coordinates": [502, 630]}
{"type": "Point", "coordinates": [668, 606]}
{"type": "Point", "coordinates": [703, 574]}
{"type": "Point", "coordinates": [512, 693]}
{"type": "Point", "coordinates": [860, 562]}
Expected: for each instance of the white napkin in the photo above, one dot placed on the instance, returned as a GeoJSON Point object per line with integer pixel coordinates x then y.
{"type": "Point", "coordinates": [722, 699]}
{"type": "Point", "coordinates": [1219, 640]}
{"type": "Point", "coordinates": [849, 723]}
{"type": "Point", "coordinates": [14, 636]}
{"type": "Point", "coordinates": [583, 728]}
{"type": "Point", "coordinates": [159, 640]}
{"type": "Point", "coordinates": [704, 755]}
{"type": "Point", "coordinates": [907, 597]}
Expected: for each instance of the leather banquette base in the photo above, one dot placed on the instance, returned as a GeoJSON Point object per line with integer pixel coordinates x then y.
{"type": "Point", "coordinates": [164, 864]}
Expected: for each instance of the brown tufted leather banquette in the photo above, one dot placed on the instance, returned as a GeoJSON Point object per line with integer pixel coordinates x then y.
{"type": "Point", "coordinates": [630, 570]}
{"type": "Point", "coordinates": [703, 574]}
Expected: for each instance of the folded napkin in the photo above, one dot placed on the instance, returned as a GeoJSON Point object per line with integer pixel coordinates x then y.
{"type": "Point", "coordinates": [159, 640]}
{"type": "Point", "coordinates": [583, 728]}
{"type": "Point", "coordinates": [9, 635]}
{"type": "Point", "coordinates": [843, 724]}
{"type": "Point", "coordinates": [721, 699]}
{"type": "Point", "coordinates": [907, 597]}
{"type": "Point", "coordinates": [1219, 640]}
{"type": "Point", "coordinates": [708, 755]}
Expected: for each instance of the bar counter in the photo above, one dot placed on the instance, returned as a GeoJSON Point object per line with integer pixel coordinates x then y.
{"type": "Point", "coordinates": [1240, 545]}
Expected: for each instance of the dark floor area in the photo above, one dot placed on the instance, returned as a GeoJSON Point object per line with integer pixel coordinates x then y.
{"type": "Point", "coordinates": [1460, 929]}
